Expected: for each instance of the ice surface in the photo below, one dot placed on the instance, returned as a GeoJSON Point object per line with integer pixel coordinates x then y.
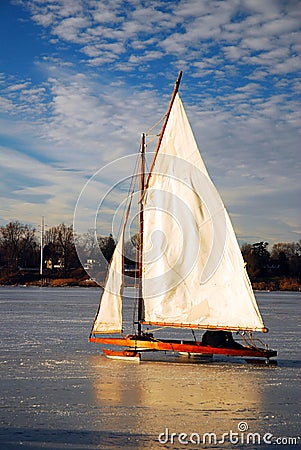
{"type": "Point", "coordinates": [59, 392]}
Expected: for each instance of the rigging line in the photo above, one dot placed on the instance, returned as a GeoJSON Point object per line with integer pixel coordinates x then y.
{"type": "Point", "coordinates": [243, 337]}
{"type": "Point", "coordinates": [155, 137]}
{"type": "Point", "coordinates": [125, 215]}
{"type": "Point", "coordinates": [193, 334]}
{"type": "Point", "coordinates": [157, 329]}
{"type": "Point", "coordinates": [134, 312]}
{"type": "Point", "coordinates": [137, 173]}
{"type": "Point", "coordinates": [155, 125]}
{"type": "Point", "coordinates": [130, 194]}
{"type": "Point", "coordinates": [252, 340]}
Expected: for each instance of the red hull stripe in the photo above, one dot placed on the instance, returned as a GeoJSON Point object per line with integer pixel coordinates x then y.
{"type": "Point", "coordinates": [178, 346]}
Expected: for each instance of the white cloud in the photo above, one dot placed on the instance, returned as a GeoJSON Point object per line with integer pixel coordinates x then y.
{"type": "Point", "coordinates": [105, 31]}
{"type": "Point", "coordinates": [240, 86]}
{"type": "Point", "coordinates": [45, 19]}
{"type": "Point", "coordinates": [6, 105]}
{"type": "Point", "coordinates": [37, 188]}
{"type": "Point", "coordinates": [17, 87]}
{"type": "Point", "coordinates": [250, 87]}
{"type": "Point", "coordinates": [70, 29]}
{"type": "Point", "coordinates": [233, 52]}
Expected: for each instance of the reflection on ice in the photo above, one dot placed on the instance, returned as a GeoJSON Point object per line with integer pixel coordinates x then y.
{"type": "Point", "coordinates": [181, 397]}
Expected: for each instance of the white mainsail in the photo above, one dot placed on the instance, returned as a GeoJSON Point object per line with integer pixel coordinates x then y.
{"type": "Point", "coordinates": [193, 270]}
{"type": "Point", "coordinates": [109, 316]}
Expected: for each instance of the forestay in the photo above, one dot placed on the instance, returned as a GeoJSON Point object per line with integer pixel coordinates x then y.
{"type": "Point", "coordinates": [193, 270]}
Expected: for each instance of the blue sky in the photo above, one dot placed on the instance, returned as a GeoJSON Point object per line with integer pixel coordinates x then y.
{"type": "Point", "coordinates": [81, 79]}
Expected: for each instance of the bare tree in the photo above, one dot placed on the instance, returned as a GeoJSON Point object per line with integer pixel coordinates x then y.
{"type": "Point", "coordinates": [19, 246]}
{"type": "Point", "coordinates": [60, 249]}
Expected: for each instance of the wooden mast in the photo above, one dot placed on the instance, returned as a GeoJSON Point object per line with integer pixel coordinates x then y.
{"type": "Point", "coordinates": [140, 249]}
{"type": "Point", "coordinates": [176, 88]}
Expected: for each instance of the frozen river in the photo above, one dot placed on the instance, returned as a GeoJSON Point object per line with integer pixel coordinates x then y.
{"type": "Point", "coordinates": [59, 392]}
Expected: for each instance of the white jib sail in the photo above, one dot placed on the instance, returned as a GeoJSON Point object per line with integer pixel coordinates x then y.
{"type": "Point", "coordinates": [193, 270]}
{"type": "Point", "coordinates": [109, 316]}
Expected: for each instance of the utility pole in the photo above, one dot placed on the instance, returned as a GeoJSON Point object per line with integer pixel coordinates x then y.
{"type": "Point", "coordinates": [42, 244]}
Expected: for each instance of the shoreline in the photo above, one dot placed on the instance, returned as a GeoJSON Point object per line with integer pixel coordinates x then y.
{"type": "Point", "coordinates": [263, 286]}
{"type": "Point", "coordinates": [79, 277]}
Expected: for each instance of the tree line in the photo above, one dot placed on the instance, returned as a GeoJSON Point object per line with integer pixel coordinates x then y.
{"type": "Point", "coordinates": [278, 269]}
{"type": "Point", "coordinates": [20, 250]}
{"type": "Point", "coordinates": [284, 260]}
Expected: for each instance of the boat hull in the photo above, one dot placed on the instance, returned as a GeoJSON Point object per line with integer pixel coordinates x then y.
{"type": "Point", "coordinates": [192, 347]}
{"type": "Point", "coordinates": [125, 355]}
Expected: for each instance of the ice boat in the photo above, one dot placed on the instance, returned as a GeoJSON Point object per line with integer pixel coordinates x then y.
{"type": "Point", "coordinates": [191, 273]}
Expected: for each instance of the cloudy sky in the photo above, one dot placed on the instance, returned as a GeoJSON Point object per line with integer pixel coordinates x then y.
{"type": "Point", "coordinates": [81, 79]}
